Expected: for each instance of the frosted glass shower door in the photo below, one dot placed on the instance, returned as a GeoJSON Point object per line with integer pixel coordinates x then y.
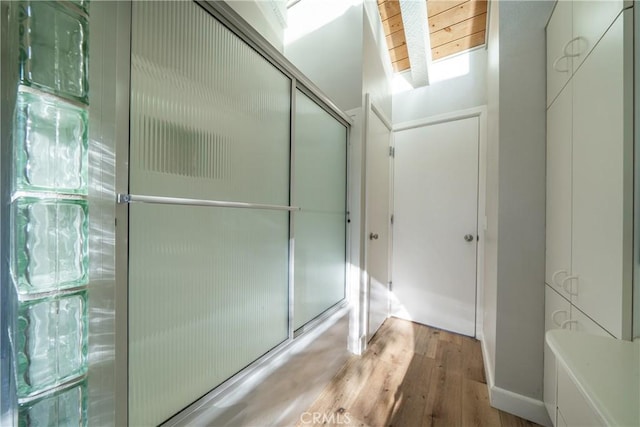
{"type": "Point", "coordinates": [208, 286]}
{"type": "Point", "coordinates": [320, 227]}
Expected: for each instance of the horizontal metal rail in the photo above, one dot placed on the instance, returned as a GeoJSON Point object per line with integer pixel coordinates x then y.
{"type": "Point", "coordinates": [133, 198]}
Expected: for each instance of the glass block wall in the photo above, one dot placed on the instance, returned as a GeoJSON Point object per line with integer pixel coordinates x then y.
{"type": "Point", "coordinates": [49, 213]}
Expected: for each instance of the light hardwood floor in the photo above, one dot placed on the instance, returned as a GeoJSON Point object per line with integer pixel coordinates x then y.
{"type": "Point", "coordinates": [411, 375]}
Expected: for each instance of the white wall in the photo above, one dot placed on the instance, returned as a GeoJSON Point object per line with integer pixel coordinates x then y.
{"type": "Point", "coordinates": [444, 96]}
{"type": "Point", "coordinates": [492, 192]}
{"type": "Point", "coordinates": [515, 255]}
{"type": "Point", "coordinates": [376, 68]}
{"type": "Point", "coordinates": [330, 55]}
{"type": "Point", "coordinates": [522, 201]}
{"type": "Point", "coordinates": [265, 17]}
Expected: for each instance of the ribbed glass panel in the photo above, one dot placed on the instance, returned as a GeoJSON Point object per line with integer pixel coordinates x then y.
{"type": "Point", "coordinates": [209, 115]}
{"type": "Point", "coordinates": [320, 190]}
{"type": "Point", "coordinates": [208, 295]}
{"type": "Point", "coordinates": [208, 287]}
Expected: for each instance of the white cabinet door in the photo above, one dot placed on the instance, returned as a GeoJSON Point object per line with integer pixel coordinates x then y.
{"type": "Point", "coordinates": [558, 35]}
{"type": "Point", "coordinates": [581, 323]}
{"type": "Point", "coordinates": [557, 312]}
{"type": "Point", "coordinates": [558, 239]}
{"type": "Point", "coordinates": [557, 309]}
{"type": "Point", "coordinates": [591, 18]}
{"type": "Point", "coordinates": [573, 408]}
{"type": "Point", "coordinates": [602, 178]}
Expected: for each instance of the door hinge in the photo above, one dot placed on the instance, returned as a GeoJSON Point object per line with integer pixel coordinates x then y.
{"type": "Point", "coordinates": [390, 286]}
{"type": "Point", "coordinates": [392, 151]}
{"type": "Point", "coordinates": [391, 219]}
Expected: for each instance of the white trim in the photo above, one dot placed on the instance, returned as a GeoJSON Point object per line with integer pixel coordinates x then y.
{"type": "Point", "coordinates": [357, 216]}
{"type": "Point", "coordinates": [481, 113]}
{"type": "Point", "coordinates": [383, 118]}
{"type": "Point", "coordinates": [488, 365]}
{"type": "Point", "coordinates": [520, 405]}
{"type": "Point", "coordinates": [482, 222]}
{"type": "Point", "coordinates": [363, 327]}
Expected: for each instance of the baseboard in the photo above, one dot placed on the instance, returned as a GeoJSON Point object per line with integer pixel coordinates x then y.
{"type": "Point", "coordinates": [488, 368]}
{"type": "Point", "coordinates": [513, 403]}
{"type": "Point", "coordinates": [517, 404]}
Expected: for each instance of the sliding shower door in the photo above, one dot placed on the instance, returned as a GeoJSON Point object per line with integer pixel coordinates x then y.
{"type": "Point", "coordinates": [208, 285]}
{"type": "Point", "coordinates": [320, 176]}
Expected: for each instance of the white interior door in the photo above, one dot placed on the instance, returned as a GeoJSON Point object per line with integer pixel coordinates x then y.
{"type": "Point", "coordinates": [378, 221]}
{"type": "Point", "coordinates": [436, 226]}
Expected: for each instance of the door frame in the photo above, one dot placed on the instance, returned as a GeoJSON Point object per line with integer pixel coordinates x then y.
{"type": "Point", "coordinates": [372, 108]}
{"type": "Point", "coordinates": [481, 113]}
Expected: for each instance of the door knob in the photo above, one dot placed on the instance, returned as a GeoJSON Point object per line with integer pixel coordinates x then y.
{"type": "Point", "coordinates": [373, 236]}
{"type": "Point", "coordinates": [468, 237]}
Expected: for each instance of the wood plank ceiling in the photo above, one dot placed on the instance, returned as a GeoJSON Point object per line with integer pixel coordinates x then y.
{"type": "Point", "coordinates": [454, 26]}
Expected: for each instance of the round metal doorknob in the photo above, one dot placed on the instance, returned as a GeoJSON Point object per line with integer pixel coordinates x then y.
{"type": "Point", "coordinates": [373, 236]}
{"type": "Point", "coordinates": [468, 237]}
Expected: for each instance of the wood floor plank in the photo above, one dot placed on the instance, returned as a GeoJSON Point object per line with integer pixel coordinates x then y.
{"type": "Point", "coordinates": [444, 399]}
{"type": "Point", "coordinates": [510, 420]}
{"type": "Point", "coordinates": [376, 401]}
{"type": "Point", "coordinates": [476, 409]}
{"type": "Point", "coordinates": [395, 345]}
{"type": "Point", "coordinates": [472, 360]}
{"type": "Point", "coordinates": [344, 388]}
{"type": "Point", "coordinates": [426, 341]}
{"type": "Point", "coordinates": [413, 392]}
{"type": "Point", "coordinates": [450, 337]}
{"type": "Point", "coordinates": [449, 356]}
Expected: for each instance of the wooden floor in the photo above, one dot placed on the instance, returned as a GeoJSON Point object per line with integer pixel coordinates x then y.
{"type": "Point", "coordinates": [411, 375]}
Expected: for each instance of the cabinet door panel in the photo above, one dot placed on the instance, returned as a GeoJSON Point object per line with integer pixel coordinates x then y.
{"type": "Point", "coordinates": [557, 311]}
{"type": "Point", "coordinates": [558, 241]}
{"type": "Point", "coordinates": [573, 407]}
{"type": "Point", "coordinates": [599, 148]}
{"type": "Point", "coordinates": [590, 21]}
{"type": "Point", "coordinates": [558, 34]}
{"type": "Point", "coordinates": [582, 323]}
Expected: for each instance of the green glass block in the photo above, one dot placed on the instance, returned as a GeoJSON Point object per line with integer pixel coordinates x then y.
{"type": "Point", "coordinates": [50, 145]}
{"type": "Point", "coordinates": [64, 408]}
{"type": "Point", "coordinates": [49, 244]}
{"type": "Point", "coordinates": [51, 341]}
{"type": "Point", "coordinates": [54, 49]}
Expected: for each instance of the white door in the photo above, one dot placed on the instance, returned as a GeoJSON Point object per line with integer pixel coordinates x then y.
{"type": "Point", "coordinates": [378, 221]}
{"type": "Point", "coordinates": [436, 226]}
